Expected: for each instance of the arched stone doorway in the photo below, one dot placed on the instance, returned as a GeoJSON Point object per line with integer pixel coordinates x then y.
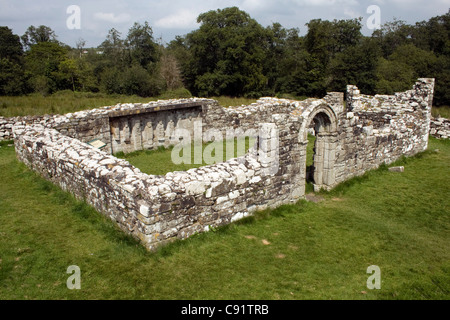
{"type": "Point", "coordinates": [323, 119]}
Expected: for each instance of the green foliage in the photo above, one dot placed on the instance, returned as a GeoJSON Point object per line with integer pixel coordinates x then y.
{"type": "Point", "coordinates": [356, 64]}
{"type": "Point", "coordinates": [11, 78]}
{"type": "Point", "coordinates": [394, 77]}
{"type": "Point", "coordinates": [392, 35]}
{"type": "Point", "coordinates": [442, 76]}
{"type": "Point", "coordinates": [232, 55]}
{"type": "Point", "coordinates": [48, 67]}
{"type": "Point", "coordinates": [132, 81]}
{"type": "Point", "coordinates": [333, 46]}
{"type": "Point", "coordinates": [37, 35]}
{"type": "Point", "coordinates": [176, 94]}
{"type": "Point", "coordinates": [10, 48]}
{"type": "Point", "coordinates": [12, 75]}
{"type": "Point", "coordinates": [142, 47]}
{"type": "Point", "coordinates": [226, 54]}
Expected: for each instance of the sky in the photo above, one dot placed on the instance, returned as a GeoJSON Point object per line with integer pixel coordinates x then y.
{"type": "Point", "coordinates": [91, 20]}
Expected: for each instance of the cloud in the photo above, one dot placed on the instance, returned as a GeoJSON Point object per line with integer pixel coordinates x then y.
{"type": "Point", "coordinates": [180, 20]}
{"type": "Point", "coordinates": [321, 3]}
{"type": "Point", "coordinates": [258, 4]}
{"type": "Point", "coordinates": [352, 13]}
{"type": "Point", "coordinates": [111, 17]}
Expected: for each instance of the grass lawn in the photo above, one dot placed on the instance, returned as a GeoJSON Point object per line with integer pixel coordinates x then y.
{"type": "Point", "coordinates": [397, 221]}
{"type": "Point", "coordinates": [159, 161]}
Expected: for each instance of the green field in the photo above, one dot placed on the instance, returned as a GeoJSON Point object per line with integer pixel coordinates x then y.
{"type": "Point", "coordinates": [68, 101]}
{"type": "Point", "coordinates": [159, 161]}
{"type": "Point", "coordinates": [397, 221]}
{"type": "Point", "coordinates": [442, 111]}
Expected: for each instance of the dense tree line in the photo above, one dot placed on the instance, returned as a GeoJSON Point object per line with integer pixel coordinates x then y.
{"type": "Point", "coordinates": [232, 54]}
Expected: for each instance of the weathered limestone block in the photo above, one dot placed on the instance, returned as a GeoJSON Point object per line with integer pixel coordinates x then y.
{"type": "Point", "coordinates": [397, 169]}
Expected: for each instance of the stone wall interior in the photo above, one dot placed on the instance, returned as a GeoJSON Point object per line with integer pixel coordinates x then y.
{"type": "Point", "coordinates": [351, 138]}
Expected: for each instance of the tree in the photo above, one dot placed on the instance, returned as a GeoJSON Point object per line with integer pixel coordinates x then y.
{"type": "Point", "coordinates": [433, 35]}
{"type": "Point", "coordinates": [11, 78]}
{"type": "Point", "coordinates": [10, 46]}
{"type": "Point", "coordinates": [286, 66]}
{"type": "Point", "coordinates": [392, 35]}
{"type": "Point", "coordinates": [137, 80]}
{"type": "Point", "coordinates": [170, 71]}
{"type": "Point", "coordinates": [140, 43]}
{"type": "Point", "coordinates": [11, 63]}
{"type": "Point", "coordinates": [87, 74]}
{"type": "Point", "coordinates": [355, 65]}
{"type": "Point", "coordinates": [422, 61]}
{"type": "Point", "coordinates": [179, 49]}
{"type": "Point", "coordinates": [227, 54]}
{"type": "Point", "coordinates": [37, 35]}
{"type": "Point", "coordinates": [276, 52]}
{"type": "Point", "coordinates": [442, 75]}
{"type": "Point", "coordinates": [43, 63]}
{"type": "Point", "coordinates": [113, 48]}
{"type": "Point", "coordinates": [69, 71]}
{"type": "Point", "coordinates": [80, 46]}
{"type": "Point", "coordinates": [394, 77]}
{"type": "Point", "coordinates": [324, 41]}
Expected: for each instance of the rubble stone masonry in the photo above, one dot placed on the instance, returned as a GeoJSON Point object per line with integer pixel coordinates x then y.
{"type": "Point", "coordinates": [351, 138]}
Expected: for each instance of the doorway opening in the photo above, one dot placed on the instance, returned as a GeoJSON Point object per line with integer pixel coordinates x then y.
{"type": "Point", "coordinates": [321, 153]}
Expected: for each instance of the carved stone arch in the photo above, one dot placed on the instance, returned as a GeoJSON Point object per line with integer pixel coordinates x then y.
{"type": "Point", "coordinates": [325, 125]}
{"type": "Point", "coordinates": [324, 114]}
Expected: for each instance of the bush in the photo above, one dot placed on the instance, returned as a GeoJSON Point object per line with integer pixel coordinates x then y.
{"type": "Point", "coordinates": [135, 80]}
{"type": "Point", "coordinates": [179, 93]}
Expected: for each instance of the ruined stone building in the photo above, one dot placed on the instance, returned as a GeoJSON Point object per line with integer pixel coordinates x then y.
{"type": "Point", "coordinates": [352, 137]}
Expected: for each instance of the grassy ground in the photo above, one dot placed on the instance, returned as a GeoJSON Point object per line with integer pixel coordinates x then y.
{"type": "Point", "coordinates": [159, 161]}
{"type": "Point", "coordinates": [68, 101]}
{"type": "Point", "coordinates": [443, 111]}
{"type": "Point", "coordinates": [310, 161]}
{"type": "Point", "coordinates": [397, 221]}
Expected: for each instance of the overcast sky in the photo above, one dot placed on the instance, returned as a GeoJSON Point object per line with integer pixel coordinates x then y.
{"type": "Point", "coordinates": [171, 18]}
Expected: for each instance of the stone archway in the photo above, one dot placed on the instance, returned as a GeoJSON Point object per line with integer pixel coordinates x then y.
{"type": "Point", "coordinates": [325, 126]}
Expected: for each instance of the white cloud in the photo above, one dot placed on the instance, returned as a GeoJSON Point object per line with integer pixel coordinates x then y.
{"type": "Point", "coordinates": [322, 3]}
{"type": "Point", "coordinates": [352, 14]}
{"type": "Point", "coordinates": [181, 19]}
{"type": "Point", "coordinates": [111, 17]}
{"type": "Point", "coordinates": [258, 4]}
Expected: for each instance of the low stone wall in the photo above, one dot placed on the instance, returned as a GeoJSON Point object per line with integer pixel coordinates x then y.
{"type": "Point", "coordinates": [158, 209]}
{"type": "Point", "coordinates": [6, 124]}
{"type": "Point", "coordinates": [123, 127]}
{"type": "Point", "coordinates": [440, 128]}
{"type": "Point", "coordinates": [382, 128]}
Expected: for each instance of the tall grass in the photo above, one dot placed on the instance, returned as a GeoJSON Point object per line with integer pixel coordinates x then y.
{"type": "Point", "coordinates": [442, 111]}
{"type": "Point", "coordinates": [68, 101]}
{"type": "Point", "coordinates": [61, 103]}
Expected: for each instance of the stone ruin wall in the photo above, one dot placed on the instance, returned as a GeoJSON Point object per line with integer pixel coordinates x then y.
{"type": "Point", "coordinates": [381, 129]}
{"type": "Point", "coordinates": [440, 128]}
{"type": "Point", "coordinates": [158, 209]}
